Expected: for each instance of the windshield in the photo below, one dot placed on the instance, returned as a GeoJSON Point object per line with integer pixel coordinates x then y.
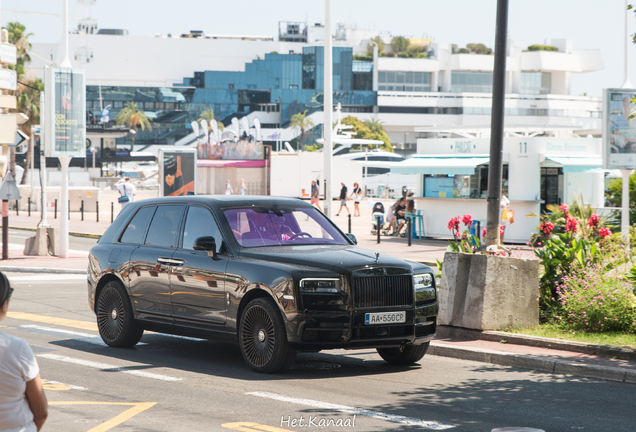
{"type": "Point", "coordinates": [277, 225]}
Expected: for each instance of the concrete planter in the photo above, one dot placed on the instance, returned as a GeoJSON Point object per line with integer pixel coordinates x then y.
{"type": "Point", "coordinates": [488, 292]}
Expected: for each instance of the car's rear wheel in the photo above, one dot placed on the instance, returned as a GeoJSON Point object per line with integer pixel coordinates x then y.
{"type": "Point", "coordinates": [263, 338]}
{"type": "Point", "coordinates": [115, 319]}
{"type": "Point", "coordinates": [406, 354]}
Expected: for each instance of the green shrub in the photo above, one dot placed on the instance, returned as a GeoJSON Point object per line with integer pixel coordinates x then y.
{"type": "Point", "coordinates": [542, 48]}
{"type": "Point", "coordinates": [594, 301]}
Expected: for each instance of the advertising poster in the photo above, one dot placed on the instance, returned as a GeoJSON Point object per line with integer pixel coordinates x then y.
{"type": "Point", "coordinates": [441, 187]}
{"type": "Point", "coordinates": [619, 131]}
{"type": "Point", "coordinates": [231, 147]}
{"type": "Point", "coordinates": [66, 91]}
{"type": "Point", "coordinates": [177, 172]}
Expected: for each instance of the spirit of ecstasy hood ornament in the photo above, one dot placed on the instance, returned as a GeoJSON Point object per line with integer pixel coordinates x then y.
{"type": "Point", "coordinates": [377, 256]}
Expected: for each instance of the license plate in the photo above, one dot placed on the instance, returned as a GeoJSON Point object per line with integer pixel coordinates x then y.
{"type": "Point", "coordinates": [384, 318]}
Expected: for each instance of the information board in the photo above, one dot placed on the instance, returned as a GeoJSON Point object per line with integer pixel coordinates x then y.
{"type": "Point", "coordinates": [65, 89]}
{"type": "Point", "coordinates": [619, 131]}
{"type": "Point", "coordinates": [441, 187]}
{"type": "Point", "coordinates": [177, 172]}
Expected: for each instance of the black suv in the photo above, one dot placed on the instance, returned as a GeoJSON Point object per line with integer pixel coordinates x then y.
{"type": "Point", "coordinates": [274, 274]}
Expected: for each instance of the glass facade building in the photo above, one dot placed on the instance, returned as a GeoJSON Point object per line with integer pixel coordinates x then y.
{"type": "Point", "coordinates": [471, 82]}
{"type": "Point", "coordinates": [404, 81]}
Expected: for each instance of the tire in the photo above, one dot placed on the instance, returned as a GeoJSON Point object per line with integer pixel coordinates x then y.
{"type": "Point", "coordinates": [406, 354]}
{"type": "Point", "coordinates": [115, 318]}
{"type": "Point", "coordinates": [263, 338]}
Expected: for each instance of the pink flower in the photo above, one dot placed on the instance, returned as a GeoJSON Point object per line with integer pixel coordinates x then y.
{"type": "Point", "coordinates": [604, 232]}
{"type": "Point", "coordinates": [453, 224]}
{"type": "Point", "coordinates": [571, 224]}
{"type": "Point", "coordinates": [467, 220]}
{"type": "Point", "coordinates": [483, 233]}
{"type": "Point", "coordinates": [501, 229]}
{"type": "Point", "coordinates": [593, 220]}
{"type": "Point", "coordinates": [546, 227]}
{"type": "Point", "coordinates": [565, 209]}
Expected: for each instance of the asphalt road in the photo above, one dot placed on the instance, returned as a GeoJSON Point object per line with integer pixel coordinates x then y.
{"type": "Point", "coordinates": [180, 384]}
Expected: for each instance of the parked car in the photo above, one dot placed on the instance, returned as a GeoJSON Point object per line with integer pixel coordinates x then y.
{"type": "Point", "coordinates": [273, 274]}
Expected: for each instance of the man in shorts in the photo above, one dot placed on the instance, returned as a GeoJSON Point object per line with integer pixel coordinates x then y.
{"type": "Point", "coordinates": [343, 199]}
{"type": "Point", "coordinates": [315, 200]}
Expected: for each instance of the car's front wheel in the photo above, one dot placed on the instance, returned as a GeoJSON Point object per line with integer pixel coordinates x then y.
{"type": "Point", "coordinates": [115, 319]}
{"type": "Point", "coordinates": [406, 354]}
{"type": "Point", "coordinates": [263, 338]}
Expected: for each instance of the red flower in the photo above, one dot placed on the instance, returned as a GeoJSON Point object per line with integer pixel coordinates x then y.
{"type": "Point", "coordinates": [546, 227]}
{"type": "Point", "coordinates": [467, 220]}
{"type": "Point", "coordinates": [593, 220]}
{"type": "Point", "coordinates": [604, 232]}
{"type": "Point", "coordinates": [501, 229]}
{"type": "Point", "coordinates": [453, 224]}
{"type": "Point", "coordinates": [483, 233]}
{"type": "Point", "coordinates": [571, 224]}
{"type": "Point", "coordinates": [565, 209]}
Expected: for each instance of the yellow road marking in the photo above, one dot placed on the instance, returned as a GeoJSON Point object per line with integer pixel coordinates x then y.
{"type": "Point", "coordinates": [115, 421]}
{"type": "Point", "coordinates": [54, 387]}
{"type": "Point", "coordinates": [84, 325]}
{"type": "Point", "coordinates": [252, 427]}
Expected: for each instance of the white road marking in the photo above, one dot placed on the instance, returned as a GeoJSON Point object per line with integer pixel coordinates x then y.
{"type": "Point", "coordinates": [108, 368]}
{"type": "Point", "coordinates": [74, 387]}
{"type": "Point", "coordinates": [48, 277]}
{"type": "Point", "coordinates": [433, 425]}
{"type": "Point", "coordinates": [83, 337]}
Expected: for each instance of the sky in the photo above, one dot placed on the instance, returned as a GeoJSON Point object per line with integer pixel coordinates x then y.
{"type": "Point", "coordinates": [591, 24]}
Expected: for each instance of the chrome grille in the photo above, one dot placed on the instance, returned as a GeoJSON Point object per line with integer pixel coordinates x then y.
{"type": "Point", "coordinates": [380, 291]}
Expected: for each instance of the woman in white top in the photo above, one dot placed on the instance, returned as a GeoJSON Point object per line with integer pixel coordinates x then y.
{"type": "Point", "coordinates": [504, 204]}
{"type": "Point", "coordinates": [228, 188]}
{"type": "Point", "coordinates": [23, 404]}
{"type": "Point", "coordinates": [242, 189]}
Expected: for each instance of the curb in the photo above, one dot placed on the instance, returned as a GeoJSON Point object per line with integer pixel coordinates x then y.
{"type": "Point", "coordinates": [73, 233]}
{"type": "Point", "coordinates": [608, 373]}
{"type": "Point", "coordinates": [537, 341]}
{"type": "Point", "coordinates": [41, 270]}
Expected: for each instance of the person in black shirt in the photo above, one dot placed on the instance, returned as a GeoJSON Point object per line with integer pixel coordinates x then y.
{"type": "Point", "coordinates": [343, 199]}
{"type": "Point", "coordinates": [399, 219]}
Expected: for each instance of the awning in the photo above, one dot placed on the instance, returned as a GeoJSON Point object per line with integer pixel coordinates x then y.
{"type": "Point", "coordinates": [577, 164]}
{"type": "Point", "coordinates": [439, 165]}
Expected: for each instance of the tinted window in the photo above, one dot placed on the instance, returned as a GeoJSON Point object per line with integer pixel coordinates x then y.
{"type": "Point", "coordinates": [164, 225]}
{"type": "Point", "coordinates": [200, 223]}
{"type": "Point", "coordinates": [135, 230]}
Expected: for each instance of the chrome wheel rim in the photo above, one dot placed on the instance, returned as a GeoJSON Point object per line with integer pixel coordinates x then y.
{"type": "Point", "coordinates": [110, 314]}
{"type": "Point", "coordinates": [257, 336]}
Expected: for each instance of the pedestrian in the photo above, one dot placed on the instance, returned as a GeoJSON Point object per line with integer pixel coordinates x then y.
{"type": "Point", "coordinates": [242, 188]}
{"type": "Point", "coordinates": [228, 188]}
{"type": "Point", "coordinates": [356, 195]}
{"type": "Point", "coordinates": [23, 404]}
{"type": "Point", "coordinates": [315, 195]}
{"type": "Point", "coordinates": [506, 214]}
{"type": "Point", "coordinates": [343, 199]}
{"type": "Point", "coordinates": [127, 191]}
{"type": "Point", "coordinates": [399, 213]}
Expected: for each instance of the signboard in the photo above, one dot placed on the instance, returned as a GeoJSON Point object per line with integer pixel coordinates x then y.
{"type": "Point", "coordinates": [177, 172]}
{"type": "Point", "coordinates": [8, 79]}
{"type": "Point", "coordinates": [8, 54]}
{"type": "Point", "coordinates": [66, 109]}
{"type": "Point", "coordinates": [619, 131]}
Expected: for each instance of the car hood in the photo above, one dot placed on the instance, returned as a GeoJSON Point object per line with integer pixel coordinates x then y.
{"type": "Point", "coordinates": [337, 258]}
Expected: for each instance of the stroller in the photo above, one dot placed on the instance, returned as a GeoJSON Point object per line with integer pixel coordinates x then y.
{"type": "Point", "coordinates": [378, 212]}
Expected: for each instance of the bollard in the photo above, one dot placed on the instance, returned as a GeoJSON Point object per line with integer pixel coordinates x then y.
{"type": "Point", "coordinates": [55, 211]}
{"type": "Point", "coordinates": [97, 210]}
{"type": "Point", "coordinates": [408, 229]}
{"type": "Point", "coordinates": [478, 230]}
{"type": "Point", "coordinates": [378, 227]}
{"type": "Point", "coordinates": [82, 209]}
{"type": "Point", "coordinates": [17, 208]}
{"type": "Point", "coordinates": [29, 206]}
{"type": "Point", "coordinates": [112, 211]}
{"type": "Point", "coordinates": [349, 223]}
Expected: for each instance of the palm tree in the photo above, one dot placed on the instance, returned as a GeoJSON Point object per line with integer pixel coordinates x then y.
{"type": "Point", "coordinates": [133, 118]}
{"type": "Point", "coordinates": [18, 38]}
{"type": "Point", "coordinates": [208, 115]}
{"type": "Point", "coordinates": [301, 122]}
{"type": "Point", "coordinates": [375, 126]}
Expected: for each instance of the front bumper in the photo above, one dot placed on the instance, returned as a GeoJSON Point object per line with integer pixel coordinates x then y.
{"type": "Point", "coordinates": [318, 330]}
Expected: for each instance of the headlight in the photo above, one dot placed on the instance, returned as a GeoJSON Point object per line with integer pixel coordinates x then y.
{"type": "Point", "coordinates": [424, 280]}
{"type": "Point", "coordinates": [326, 285]}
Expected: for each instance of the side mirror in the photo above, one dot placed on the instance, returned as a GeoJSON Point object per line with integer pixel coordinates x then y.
{"type": "Point", "coordinates": [352, 238]}
{"type": "Point", "coordinates": [208, 244]}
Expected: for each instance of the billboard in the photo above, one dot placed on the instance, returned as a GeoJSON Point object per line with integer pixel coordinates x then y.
{"type": "Point", "coordinates": [619, 131]}
{"type": "Point", "coordinates": [177, 172]}
{"type": "Point", "coordinates": [66, 108]}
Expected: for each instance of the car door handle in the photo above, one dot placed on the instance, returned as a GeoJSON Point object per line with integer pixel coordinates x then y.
{"type": "Point", "coordinates": [170, 261]}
